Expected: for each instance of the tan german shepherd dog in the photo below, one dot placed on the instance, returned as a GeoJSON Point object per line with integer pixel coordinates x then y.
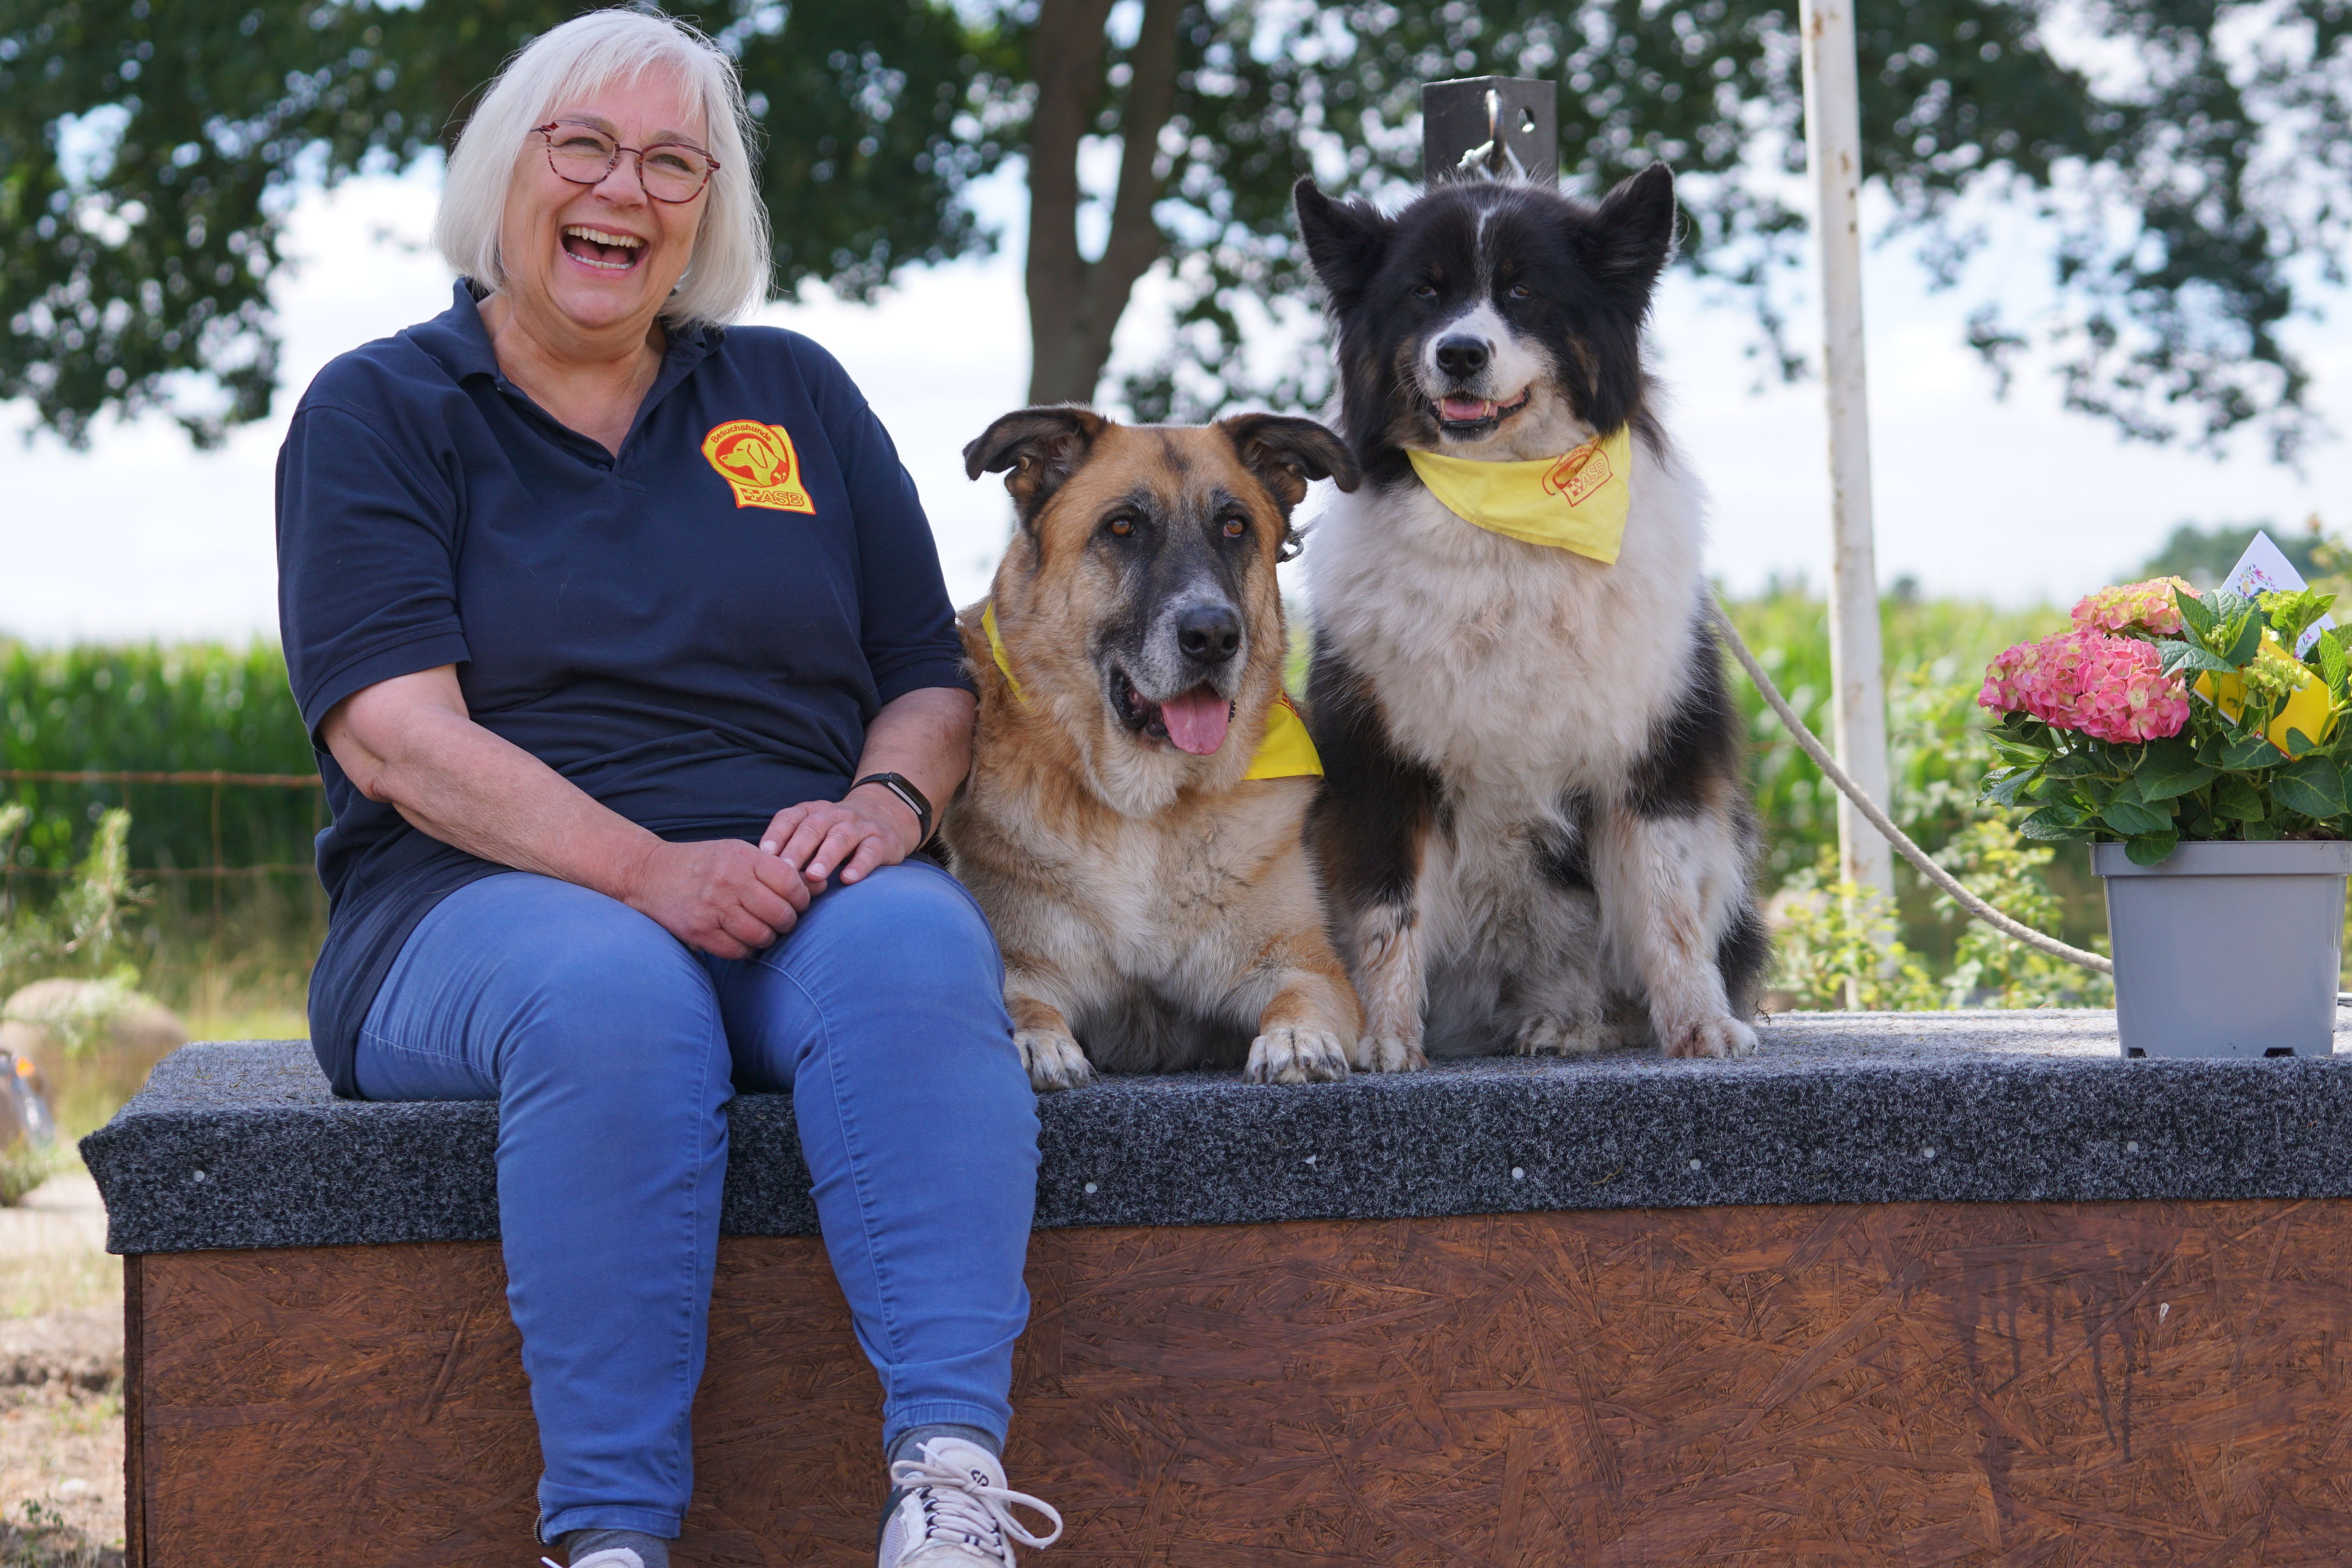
{"type": "Point", "coordinates": [1155, 905]}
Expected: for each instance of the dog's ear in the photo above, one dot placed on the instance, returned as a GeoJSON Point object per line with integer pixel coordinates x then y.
{"type": "Point", "coordinates": [1287, 452]}
{"type": "Point", "coordinates": [1041, 446]}
{"type": "Point", "coordinates": [1633, 233]}
{"type": "Point", "coordinates": [1345, 241]}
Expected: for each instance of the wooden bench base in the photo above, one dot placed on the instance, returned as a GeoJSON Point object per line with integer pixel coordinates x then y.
{"type": "Point", "coordinates": [1906, 1384]}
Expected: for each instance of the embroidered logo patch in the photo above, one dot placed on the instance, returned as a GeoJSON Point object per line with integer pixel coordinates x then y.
{"type": "Point", "coordinates": [759, 464]}
{"type": "Point", "coordinates": [1579, 474]}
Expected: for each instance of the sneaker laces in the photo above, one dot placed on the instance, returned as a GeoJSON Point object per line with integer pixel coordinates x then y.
{"type": "Point", "coordinates": [965, 1506]}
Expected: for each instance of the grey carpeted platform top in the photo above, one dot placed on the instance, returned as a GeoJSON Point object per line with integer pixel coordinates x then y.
{"type": "Point", "coordinates": [241, 1146]}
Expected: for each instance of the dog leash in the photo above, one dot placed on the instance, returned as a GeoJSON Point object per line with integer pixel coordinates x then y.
{"type": "Point", "coordinates": [1812, 747]}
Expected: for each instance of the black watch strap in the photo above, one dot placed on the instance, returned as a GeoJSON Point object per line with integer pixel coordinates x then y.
{"type": "Point", "coordinates": [904, 788]}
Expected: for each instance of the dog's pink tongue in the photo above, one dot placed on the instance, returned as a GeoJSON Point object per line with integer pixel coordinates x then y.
{"type": "Point", "coordinates": [1465, 407]}
{"type": "Point", "coordinates": [1196, 721]}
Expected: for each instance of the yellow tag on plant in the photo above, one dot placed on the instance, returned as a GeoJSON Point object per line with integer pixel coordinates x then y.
{"type": "Point", "coordinates": [2308, 709]}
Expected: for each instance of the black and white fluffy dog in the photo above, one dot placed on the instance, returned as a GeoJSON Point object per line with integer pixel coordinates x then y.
{"type": "Point", "coordinates": [1533, 828]}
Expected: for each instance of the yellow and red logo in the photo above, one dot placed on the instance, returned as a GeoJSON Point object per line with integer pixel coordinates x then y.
{"type": "Point", "coordinates": [1579, 474]}
{"type": "Point", "coordinates": [759, 464]}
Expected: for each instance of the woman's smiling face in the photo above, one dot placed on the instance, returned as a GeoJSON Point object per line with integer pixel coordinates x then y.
{"type": "Point", "coordinates": [603, 256]}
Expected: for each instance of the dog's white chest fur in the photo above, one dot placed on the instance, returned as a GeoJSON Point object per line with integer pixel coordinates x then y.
{"type": "Point", "coordinates": [1514, 669]}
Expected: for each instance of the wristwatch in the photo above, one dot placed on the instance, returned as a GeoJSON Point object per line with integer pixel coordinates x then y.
{"type": "Point", "coordinates": [914, 799]}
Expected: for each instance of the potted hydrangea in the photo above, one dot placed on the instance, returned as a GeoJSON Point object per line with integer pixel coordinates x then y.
{"type": "Point", "coordinates": [2197, 744]}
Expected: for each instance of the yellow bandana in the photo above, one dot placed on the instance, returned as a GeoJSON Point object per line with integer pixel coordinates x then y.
{"type": "Point", "coordinates": [1287, 753]}
{"type": "Point", "coordinates": [1577, 502]}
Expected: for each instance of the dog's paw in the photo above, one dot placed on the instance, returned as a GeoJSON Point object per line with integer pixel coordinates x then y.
{"type": "Point", "coordinates": [1388, 1053]}
{"type": "Point", "coordinates": [1562, 1036]}
{"type": "Point", "coordinates": [1297, 1055]}
{"type": "Point", "coordinates": [1055, 1061]}
{"type": "Point", "coordinates": [1718, 1037]}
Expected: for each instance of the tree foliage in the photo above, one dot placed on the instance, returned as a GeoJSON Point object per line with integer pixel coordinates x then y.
{"type": "Point", "coordinates": [149, 154]}
{"type": "Point", "coordinates": [2196, 183]}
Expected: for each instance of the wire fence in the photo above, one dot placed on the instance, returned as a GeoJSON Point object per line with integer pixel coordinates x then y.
{"type": "Point", "coordinates": [234, 936]}
{"type": "Point", "coordinates": [217, 869]}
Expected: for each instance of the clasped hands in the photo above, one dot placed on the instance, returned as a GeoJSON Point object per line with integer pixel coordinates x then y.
{"type": "Point", "coordinates": [730, 899]}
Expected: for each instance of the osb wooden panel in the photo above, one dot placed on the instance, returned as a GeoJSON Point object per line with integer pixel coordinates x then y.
{"type": "Point", "coordinates": [2033, 1386]}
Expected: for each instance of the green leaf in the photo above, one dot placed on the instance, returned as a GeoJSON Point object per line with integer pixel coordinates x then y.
{"type": "Point", "coordinates": [2250, 752]}
{"type": "Point", "coordinates": [2170, 770]}
{"type": "Point", "coordinates": [2130, 818]}
{"type": "Point", "coordinates": [2194, 612]}
{"type": "Point", "coordinates": [2312, 786]}
{"type": "Point", "coordinates": [2056, 823]}
{"type": "Point", "coordinates": [2073, 765]}
{"type": "Point", "coordinates": [2002, 788]}
{"type": "Point", "coordinates": [2152, 848]}
{"type": "Point", "coordinates": [2180, 656]}
{"type": "Point", "coordinates": [2298, 744]}
{"type": "Point", "coordinates": [2290, 610]}
{"type": "Point", "coordinates": [2262, 832]}
{"type": "Point", "coordinates": [2239, 801]}
{"type": "Point", "coordinates": [2227, 606]}
{"type": "Point", "coordinates": [2333, 667]}
{"type": "Point", "coordinates": [2250, 642]}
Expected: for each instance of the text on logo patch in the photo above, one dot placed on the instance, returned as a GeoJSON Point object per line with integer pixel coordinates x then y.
{"type": "Point", "coordinates": [1579, 474]}
{"type": "Point", "coordinates": [759, 464]}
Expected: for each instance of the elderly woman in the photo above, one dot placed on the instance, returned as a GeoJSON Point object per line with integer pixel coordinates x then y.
{"type": "Point", "coordinates": [622, 639]}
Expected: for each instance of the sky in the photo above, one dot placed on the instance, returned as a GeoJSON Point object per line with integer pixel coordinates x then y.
{"type": "Point", "coordinates": [2017, 501]}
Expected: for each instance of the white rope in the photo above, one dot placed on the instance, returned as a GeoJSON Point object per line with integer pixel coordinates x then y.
{"type": "Point", "coordinates": [1885, 826]}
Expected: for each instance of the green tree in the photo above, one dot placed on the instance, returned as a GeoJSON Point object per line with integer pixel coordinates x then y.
{"type": "Point", "coordinates": [147, 156]}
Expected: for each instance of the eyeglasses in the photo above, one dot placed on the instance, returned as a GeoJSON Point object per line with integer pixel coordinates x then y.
{"type": "Point", "coordinates": [669, 171]}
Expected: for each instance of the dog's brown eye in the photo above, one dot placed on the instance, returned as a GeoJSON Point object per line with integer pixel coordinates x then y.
{"type": "Point", "coordinates": [1425, 291]}
{"type": "Point", "coordinates": [1521, 291]}
{"type": "Point", "coordinates": [1235, 528]}
{"type": "Point", "coordinates": [1122, 526]}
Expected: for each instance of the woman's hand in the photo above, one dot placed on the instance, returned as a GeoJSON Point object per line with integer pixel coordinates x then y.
{"type": "Point", "coordinates": [722, 897]}
{"type": "Point", "coordinates": [866, 830]}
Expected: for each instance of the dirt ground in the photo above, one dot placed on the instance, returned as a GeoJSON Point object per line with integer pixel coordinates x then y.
{"type": "Point", "coordinates": [60, 1382]}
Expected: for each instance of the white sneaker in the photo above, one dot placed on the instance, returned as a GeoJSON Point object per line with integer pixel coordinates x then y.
{"type": "Point", "coordinates": [957, 1511]}
{"type": "Point", "coordinates": [611, 1557]}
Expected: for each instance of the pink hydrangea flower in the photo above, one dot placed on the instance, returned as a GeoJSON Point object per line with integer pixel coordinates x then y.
{"type": "Point", "coordinates": [2108, 687]}
{"type": "Point", "coordinates": [2145, 604]}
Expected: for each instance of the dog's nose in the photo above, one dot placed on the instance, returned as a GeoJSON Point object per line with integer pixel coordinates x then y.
{"type": "Point", "coordinates": [1209, 633]}
{"type": "Point", "coordinates": [1462, 356]}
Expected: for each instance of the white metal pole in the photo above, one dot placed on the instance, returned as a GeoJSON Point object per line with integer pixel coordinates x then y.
{"type": "Point", "coordinates": [1833, 151]}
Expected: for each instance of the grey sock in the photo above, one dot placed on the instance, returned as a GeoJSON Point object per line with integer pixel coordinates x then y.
{"type": "Point", "coordinates": [905, 1444]}
{"type": "Point", "coordinates": [580, 1543]}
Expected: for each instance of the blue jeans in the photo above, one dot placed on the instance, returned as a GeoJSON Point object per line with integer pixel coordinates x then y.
{"type": "Point", "coordinates": [611, 1049]}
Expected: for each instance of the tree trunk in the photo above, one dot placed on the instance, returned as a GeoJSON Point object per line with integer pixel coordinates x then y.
{"type": "Point", "coordinates": [1075, 305]}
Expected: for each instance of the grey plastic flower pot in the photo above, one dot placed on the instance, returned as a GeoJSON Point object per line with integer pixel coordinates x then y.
{"type": "Point", "coordinates": [2227, 950]}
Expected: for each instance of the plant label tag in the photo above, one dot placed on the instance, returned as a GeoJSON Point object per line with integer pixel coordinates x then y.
{"type": "Point", "coordinates": [2264, 569]}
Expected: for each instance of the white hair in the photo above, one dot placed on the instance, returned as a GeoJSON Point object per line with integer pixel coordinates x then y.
{"type": "Point", "coordinates": [729, 273]}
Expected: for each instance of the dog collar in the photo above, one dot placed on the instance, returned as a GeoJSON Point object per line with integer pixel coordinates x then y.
{"type": "Point", "coordinates": [1577, 502]}
{"type": "Point", "coordinates": [1287, 752]}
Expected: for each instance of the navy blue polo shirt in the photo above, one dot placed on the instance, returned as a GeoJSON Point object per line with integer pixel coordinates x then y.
{"type": "Point", "coordinates": [696, 632]}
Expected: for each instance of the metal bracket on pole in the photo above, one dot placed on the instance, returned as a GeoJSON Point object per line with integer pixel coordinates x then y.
{"type": "Point", "coordinates": [1503, 126]}
{"type": "Point", "coordinates": [1833, 152]}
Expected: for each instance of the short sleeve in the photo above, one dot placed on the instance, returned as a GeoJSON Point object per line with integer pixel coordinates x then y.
{"type": "Point", "coordinates": [907, 625]}
{"type": "Point", "coordinates": [366, 561]}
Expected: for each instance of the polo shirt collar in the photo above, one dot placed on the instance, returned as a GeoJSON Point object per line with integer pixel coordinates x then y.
{"type": "Point", "coordinates": [460, 344]}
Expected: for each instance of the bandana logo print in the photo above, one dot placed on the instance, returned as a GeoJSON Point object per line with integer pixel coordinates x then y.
{"type": "Point", "coordinates": [1579, 474]}
{"type": "Point", "coordinates": [759, 464]}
